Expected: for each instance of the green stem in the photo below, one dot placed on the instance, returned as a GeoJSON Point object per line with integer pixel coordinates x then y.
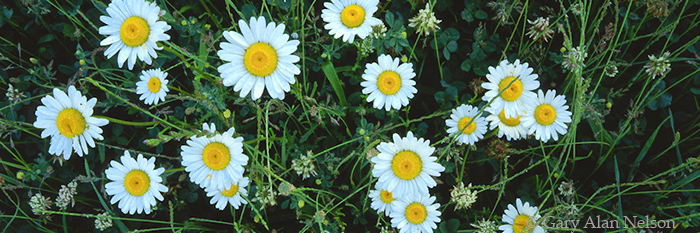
{"type": "Point", "coordinates": [123, 122]}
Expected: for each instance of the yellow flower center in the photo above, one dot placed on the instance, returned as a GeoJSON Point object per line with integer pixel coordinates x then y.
{"type": "Point", "coordinates": [389, 82]}
{"type": "Point", "coordinates": [509, 121]}
{"type": "Point", "coordinates": [70, 122]}
{"type": "Point", "coordinates": [386, 196]}
{"type": "Point", "coordinates": [416, 213]}
{"type": "Point", "coordinates": [545, 114]}
{"type": "Point", "coordinates": [216, 156]}
{"type": "Point", "coordinates": [522, 224]}
{"type": "Point", "coordinates": [463, 125]}
{"type": "Point", "coordinates": [154, 84]}
{"type": "Point", "coordinates": [352, 16]}
{"type": "Point", "coordinates": [406, 165]}
{"type": "Point", "coordinates": [134, 31]}
{"type": "Point", "coordinates": [137, 182]}
{"type": "Point", "coordinates": [230, 192]}
{"type": "Point", "coordinates": [513, 92]}
{"type": "Point", "coordinates": [260, 59]}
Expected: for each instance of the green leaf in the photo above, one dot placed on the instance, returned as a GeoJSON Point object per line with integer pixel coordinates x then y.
{"type": "Point", "coordinates": [332, 75]}
{"type": "Point", "coordinates": [466, 65]}
{"type": "Point", "coordinates": [45, 38]}
{"type": "Point", "coordinates": [467, 15]}
{"type": "Point", "coordinates": [452, 46]}
{"type": "Point", "coordinates": [450, 226]}
{"type": "Point", "coordinates": [645, 149]}
{"type": "Point", "coordinates": [446, 53]}
{"type": "Point", "coordinates": [695, 90]}
{"type": "Point", "coordinates": [284, 4]}
{"type": "Point", "coordinates": [481, 14]}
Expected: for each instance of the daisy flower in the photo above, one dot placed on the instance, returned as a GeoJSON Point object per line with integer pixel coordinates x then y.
{"type": "Point", "coordinates": [382, 201]}
{"type": "Point", "coordinates": [68, 120]}
{"type": "Point", "coordinates": [259, 58]}
{"type": "Point", "coordinates": [388, 84]}
{"type": "Point", "coordinates": [546, 116]}
{"type": "Point", "coordinates": [512, 127]}
{"type": "Point", "coordinates": [460, 117]}
{"type": "Point", "coordinates": [416, 213]}
{"type": "Point", "coordinates": [214, 162]}
{"type": "Point", "coordinates": [405, 166]}
{"type": "Point", "coordinates": [136, 184]}
{"type": "Point", "coordinates": [152, 86]}
{"type": "Point", "coordinates": [521, 219]}
{"type": "Point", "coordinates": [232, 194]}
{"type": "Point", "coordinates": [132, 30]}
{"type": "Point", "coordinates": [348, 18]}
{"type": "Point", "coordinates": [515, 96]}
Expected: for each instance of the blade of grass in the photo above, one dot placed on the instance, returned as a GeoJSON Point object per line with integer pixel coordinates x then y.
{"type": "Point", "coordinates": [332, 75]}
{"type": "Point", "coordinates": [644, 151]}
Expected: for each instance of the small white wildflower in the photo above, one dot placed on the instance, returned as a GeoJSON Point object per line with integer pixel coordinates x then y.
{"type": "Point", "coordinates": [540, 29]}
{"type": "Point", "coordinates": [39, 203]}
{"type": "Point", "coordinates": [574, 60]}
{"type": "Point", "coordinates": [425, 21]}
{"type": "Point", "coordinates": [611, 70]}
{"type": "Point", "coordinates": [13, 94]}
{"type": "Point", "coordinates": [566, 189]}
{"type": "Point", "coordinates": [485, 226]}
{"type": "Point", "coordinates": [463, 197]}
{"type": "Point", "coordinates": [378, 31]}
{"type": "Point", "coordinates": [265, 196]}
{"type": "Point", "coordinates": [304, 165]}
{"type": "Point", "coordinates": [103, 221]}
{"type": "Point", "coordinates": [65, 195]}
{"type": "Point", "coordinates": [658, 66]}
{"type": "Point", "coordinates": [576, 9]}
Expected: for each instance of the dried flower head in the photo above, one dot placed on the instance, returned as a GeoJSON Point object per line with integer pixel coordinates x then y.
{"type": "Point", "coordinates": [103, 221]}
{"type": "Point", "coordinates": [286, 188]}
{"type": "Point", "coordinates": [540, 29]}
{"type": "Point", "coordinates": [658, 8]}
{"type": "Point", "coordinates": [574, 60]}
{"type": "Point", "coordinates": [463, 197]}
{"type": "Point", "coordinates": [425, 22]}
{"type": "Point", "coordinates": [503, 9]}
{"type": "Point", "coordinates": [566, 189]}
{"type": "Point", "coordinates": [265, 196]}
{"type": "Point", "coordinates": [304, 165]}
{"type": "Point", "coordinates": [39, 204]}
{"type": "Point", "coordinates": [65, 195]}
{"type": "Point", "coordinates": [658, 66]}
{"type": "Point", "coordinates": [499, 149]}
{"type": "Point", "coordinates": [13, 94]}
{"type": "Point", "coordinates": [611, 70]}
{"type": "Point", "coordinates": [485, 226]}
{"type": "Point", "coordinates": [576, 9]}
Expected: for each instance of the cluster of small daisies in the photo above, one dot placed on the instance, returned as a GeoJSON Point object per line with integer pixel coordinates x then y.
{"type": "Point", "coordinates": [405, 169]}
{"type": "Point", "coordinates": [514, 108]}
{"type": "Point", "coordinates": [261, 57]}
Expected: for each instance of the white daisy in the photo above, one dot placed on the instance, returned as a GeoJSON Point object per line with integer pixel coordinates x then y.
{"type": "Point", "coordinates": [348, 18]}
{"type": "Point", "coordinates": [214, 162]}
{"type": "Point", "coordinates": [389, 84]}
{"type": "Point", "coordinates": [460, 117]}
{"type": "Point", "coordinates": [136, 184]}
{"type": "Point", "coordinates": [416, 213]}
{"type": "Point", "coordinates": [382, 201]}
{"type": "Point", "coordinates": [546, 116]}
{"type": "Point", "coordinates": [259, 58]}
{"type": "Point", "coordinates": [515, 96]}
{"type": "Point", "coordinates": [512, 127]}
{"type": "Point", "coordinates": [521, 219]}
{"type": "Point", "coordinates": [153, 86]}
{"type": "Point", "coordinates": [132, 30]}
{"type": "Point", "coordinates": [68, 120]}
{"type": "Point", "coordinates": [232, 194]}
{"type": "Point", "coordinates": [405, 166]}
